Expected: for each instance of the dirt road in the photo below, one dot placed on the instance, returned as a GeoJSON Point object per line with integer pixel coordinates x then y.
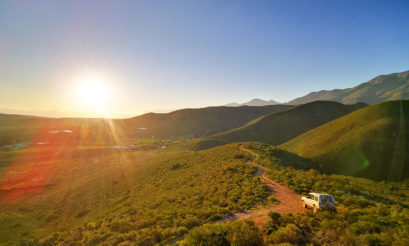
{"type": "Point", "coordinates": [290, 202]}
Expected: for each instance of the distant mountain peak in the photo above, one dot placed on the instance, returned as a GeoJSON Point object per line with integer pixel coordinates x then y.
{"type": "Point", "coordinates": [254, 102]}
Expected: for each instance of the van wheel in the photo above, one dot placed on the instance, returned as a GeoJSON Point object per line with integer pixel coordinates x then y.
{"type": "Point", "coordinates": [314, 208]}
{"type": "Point", "coordinates": [304, 205]}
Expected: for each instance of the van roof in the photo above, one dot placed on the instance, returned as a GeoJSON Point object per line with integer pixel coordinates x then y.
{"type": "Point", "coordinates": [318, 194]}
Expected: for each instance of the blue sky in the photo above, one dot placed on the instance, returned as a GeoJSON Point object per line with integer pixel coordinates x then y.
{"type": "Point", "coordinates": [177, 54]}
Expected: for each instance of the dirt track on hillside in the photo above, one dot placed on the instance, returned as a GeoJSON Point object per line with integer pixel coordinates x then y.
{"type": "Point", "coordinates": [290, 202]}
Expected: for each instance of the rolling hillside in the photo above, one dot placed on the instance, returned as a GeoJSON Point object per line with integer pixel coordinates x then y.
{"type": "Point", "coordinates": [370, 142]}
{"type": "Point", "coordinates": [180, 123]}
{"type": "Point", "coordinates": [393, 86]}
{"type": "Point", "coordinates": [277, 128]}
{"type": "Point", "coordinates": [198, 122]}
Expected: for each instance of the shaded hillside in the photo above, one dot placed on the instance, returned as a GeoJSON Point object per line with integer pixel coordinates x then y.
{"type": "Point", "coordinates": [277, 128]}
{"type": "Point", "coordinates": [180, 123]}
{"type": "Point", "coordinates": [393, 86]}
{"type": "Point", "coordinates": [371, 142]}
{"type": "Point", "coordinates": [197, 122]}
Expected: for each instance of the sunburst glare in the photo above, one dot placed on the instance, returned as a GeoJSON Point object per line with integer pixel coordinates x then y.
{"type": "Point", "coordinates": [93, 89]}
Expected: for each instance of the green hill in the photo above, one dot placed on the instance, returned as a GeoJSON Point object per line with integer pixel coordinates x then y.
{"type": "Point", "coordinates": [277, 128]}
{"type": "Point", "coordinates": [370, 142]}
{"type": "Point", "coordinates": [393, 86]}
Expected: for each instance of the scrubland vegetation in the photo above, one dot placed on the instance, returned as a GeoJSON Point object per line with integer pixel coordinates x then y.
{"type": "Point", "coordinates": [369, 212]}
{"type": "Point", "coordinates": [162, 197]}
{"type": "Point", "coordinates": [144, 198]}
{"type": "Point", "coordinates": [240, 233]}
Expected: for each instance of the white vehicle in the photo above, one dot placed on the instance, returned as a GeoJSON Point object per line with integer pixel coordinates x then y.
{"type": "Point", "coordinates": [318, 201]}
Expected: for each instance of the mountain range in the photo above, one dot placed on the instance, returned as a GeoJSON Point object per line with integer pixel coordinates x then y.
{"type": "Point", "coordinates": [254, 102]}
{"type": "Point", "coordinates": [394, 86]}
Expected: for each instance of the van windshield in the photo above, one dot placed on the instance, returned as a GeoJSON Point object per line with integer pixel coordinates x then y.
{"type": "Point", "coordinates": [325, 198]}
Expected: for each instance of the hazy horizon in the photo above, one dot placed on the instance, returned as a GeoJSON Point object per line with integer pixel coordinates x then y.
{"type": "Point", "coordinates": [137, 57]}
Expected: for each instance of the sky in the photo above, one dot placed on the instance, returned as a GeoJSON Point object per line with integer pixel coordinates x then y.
{"type": "Point", "coordinates": [165, 55]}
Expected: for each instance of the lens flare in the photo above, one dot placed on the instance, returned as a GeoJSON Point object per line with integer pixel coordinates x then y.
{"type": "Point", "coordinates": [54, 149]}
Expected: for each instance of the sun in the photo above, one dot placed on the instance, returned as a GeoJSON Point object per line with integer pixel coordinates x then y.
{"type": "Point", "coordinates": [92, 89]}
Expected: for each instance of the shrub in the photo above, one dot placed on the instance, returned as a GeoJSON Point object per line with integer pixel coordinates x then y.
{"type": "Point", "coordinates": [274, 217]}
{"type": "Point", "coordinates": [239, 156]}
{"type": "Point", "coordinates": [244, 233]}
{"type": "Point", "coordinates": [29, 242]}
{"type": "Point", "coordinates": [371, 240]}
{"type": "Point", "coordinates": [289, 234]}
{"type": "Point", "coordinates": [207, 235]}
{"type": "Point", "coordinates": [121, 226]}
{"type": "Point", "coordinates": [239, 233]}
{"type": "Point", "coordinates": [82, 213]}
{"type": "Point", "coordinates": [214, 217]}
{"type": "Point", "coordinates": [273, 200]}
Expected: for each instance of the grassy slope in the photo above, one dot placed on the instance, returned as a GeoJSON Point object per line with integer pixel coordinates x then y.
{"type": "Point", "coordinates": [185, 122]}
{"type": "Point", "coordinates": [277, 128]}
{"type": "Point", "coordinates": [142, 196]}
{"type": "Point", "coordinates": [370, 142]}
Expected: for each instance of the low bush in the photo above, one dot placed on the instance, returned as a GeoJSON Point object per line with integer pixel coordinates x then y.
{"type": "Point", "coordinates": [238, 233]}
